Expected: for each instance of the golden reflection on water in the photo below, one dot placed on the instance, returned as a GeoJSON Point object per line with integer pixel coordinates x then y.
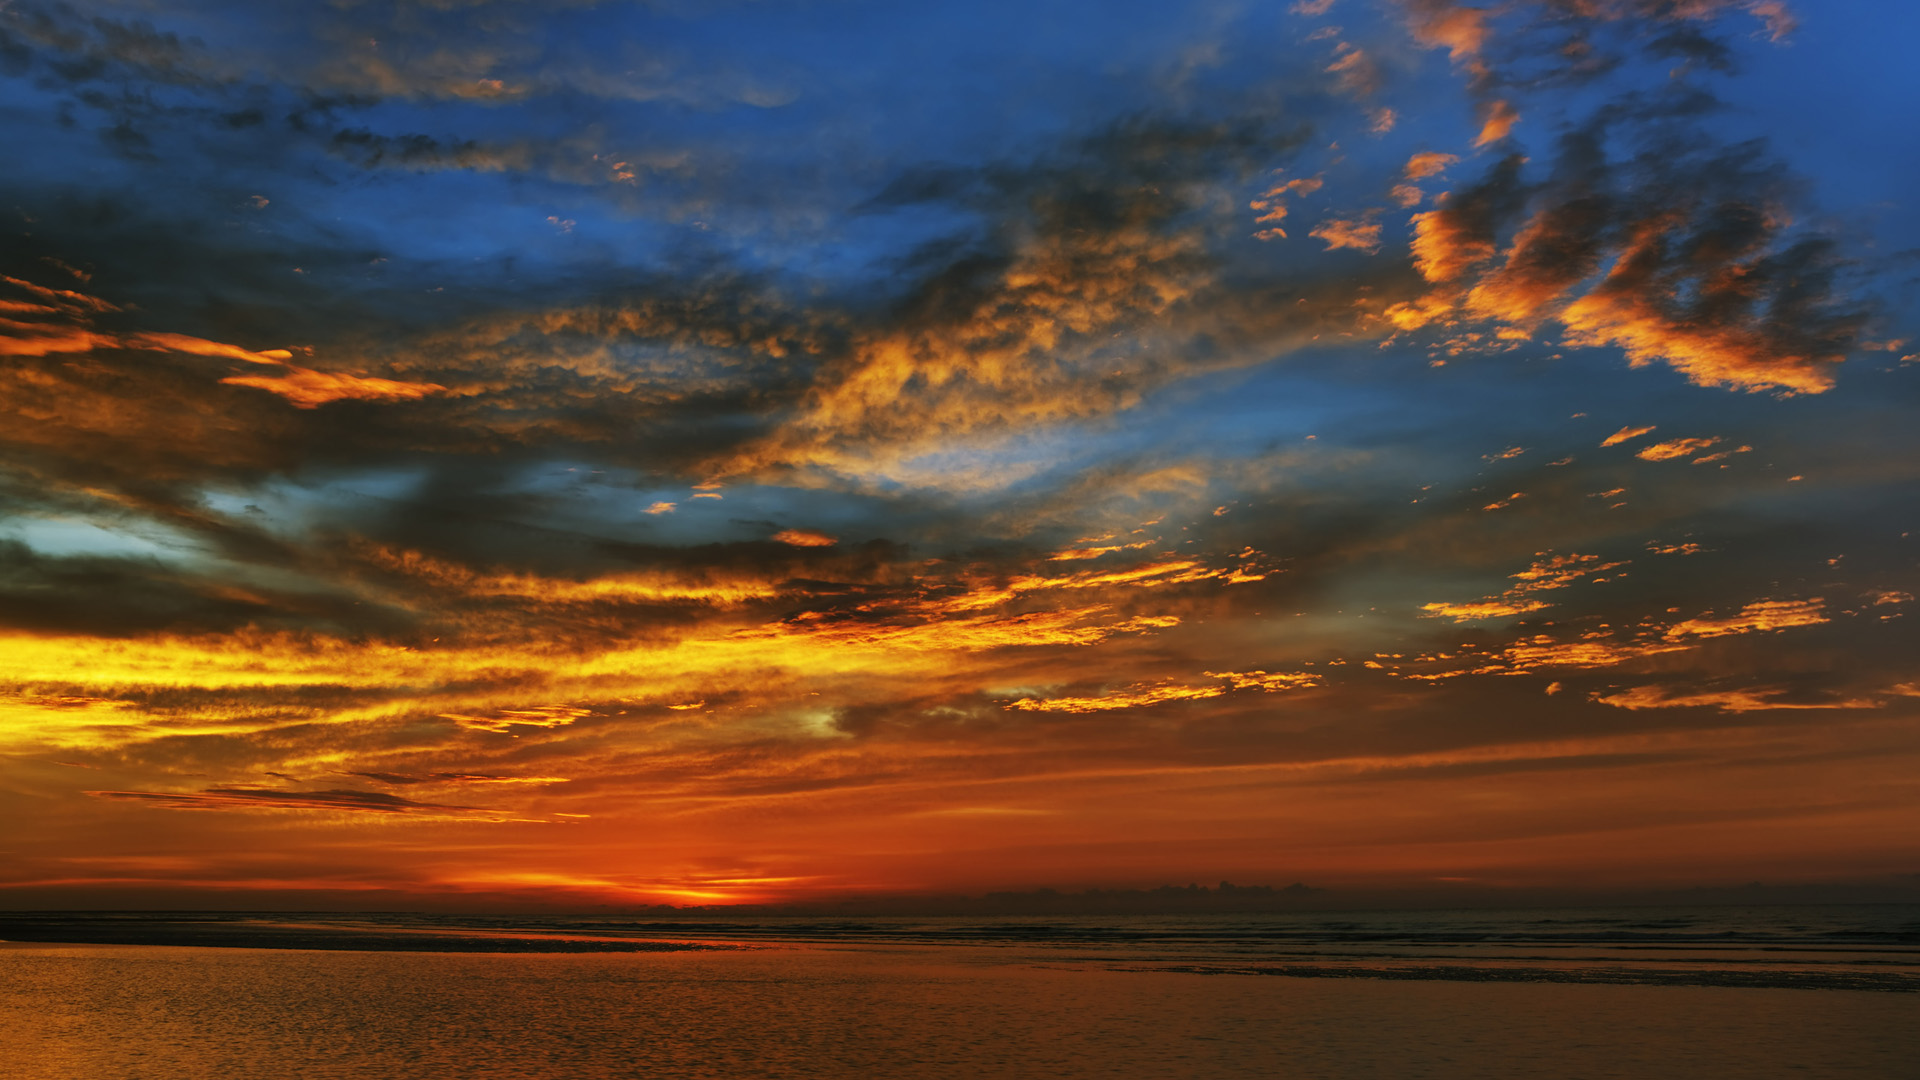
{"type": "Point", "coordinates": [172, 1013]}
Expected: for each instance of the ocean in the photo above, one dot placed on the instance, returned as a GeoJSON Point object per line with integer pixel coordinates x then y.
{"type": "Point", "coordinates": [1670, 992]}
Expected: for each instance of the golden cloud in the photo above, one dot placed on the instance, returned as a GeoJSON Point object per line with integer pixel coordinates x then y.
{"type": "Point", "coordinates": [1625, 434]}
{"type": "Point", "coordinates": [804, 538]}
{"type": "Point", "coordinates": [1676, 448]}
{"type": "Point", "coordinates": [1733, 701]}
{"type": "Point", "coordinates": [309, 389]}
{"type": "Point", "coordinates": [1757, 617]}
{"type": "Point", "coordinates": [1359, 235]}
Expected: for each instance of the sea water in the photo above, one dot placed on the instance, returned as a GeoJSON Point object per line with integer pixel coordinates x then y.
{"type": "Point", "coordinates": [1761, 993]}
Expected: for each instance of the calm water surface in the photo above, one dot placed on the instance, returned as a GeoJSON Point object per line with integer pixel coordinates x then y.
{"type": "Point", "coordinates": [969, 998]}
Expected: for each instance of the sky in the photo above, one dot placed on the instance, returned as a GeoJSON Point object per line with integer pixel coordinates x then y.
{"type": "Point", "coordinates": [474, 453]}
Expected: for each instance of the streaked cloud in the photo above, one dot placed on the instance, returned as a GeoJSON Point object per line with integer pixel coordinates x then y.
{"type": "Point", "coordinates": [1624, 434]}
{"type": "Point", "coordinates": [336, 801]}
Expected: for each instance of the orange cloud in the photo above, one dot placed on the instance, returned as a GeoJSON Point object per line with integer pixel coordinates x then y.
{"type": "Point", "coordinates": [1722, 455]}
{"type": "Point", "coordinates": [1428, 163]}
{"type": "Point", "coordinates": [304, 387]}
{"type": "Point", "coordinates": [309, 389]}
{"type": "Point", "coordinates": [64, 299]}
{"type": "Point", "coordinates": [1014, 357]}
{"type": "Point", "coordinates": [24, 308]}
{"type": "Point", "coordinates": [1551, 571]}
{"type": "Point", "coordinates": [650, 586]}
{"type": "Point", "coordinates": [1675, 448]}
{"type": "Point", "coordinates": [1077, 554]}
{"type": "Point", "coordinates": [339, 802]}
{"type": "Point", "coordinates": [1598, 648]}
{"type": "Point", "coordinates": [1446, 245]}
{"type": "Point", "coordinates": [202, 347]}
{"type": "Point", "coordinates": [1548, 572]}
{"type": "Point", "coordinates": [1497, 118]}
{"type": "Point", "coordinates": [39, 340]}
{"type": "Point", "coordinates": [1624, 434]}
{"type": "Point", "coordinates": [1273, 209]}
{"type": "Point", "coordinates": [1707, 358]}
{"type": "Point", "coordinates": [1414, 314]}
{"type": "Point", "coordinates": [1142, 696]}
{"type": "Point", "coordinates": [1441, 24]}
{"type": "Point", "coordinates": [1358, 75]}
{"type": "Point", "coordinates": [1269, 682]}
{"type": "Point", "coordinates": [1360, 235]}
{"type": "Point", "coordinates": [1136, 697]}
{"type": "Point", "coordinates": [1482, 609]}
{"type": "Point", "coordinates": [1780, 21]}
{"type": "Point", "coordinates": [546, 716]}
{"type": "Point", "coordinates": [804, 538]}
{"type": "Point", "coordinates": [1733, 701]}
{"type": "Point", "coordinates": [1757, 617]}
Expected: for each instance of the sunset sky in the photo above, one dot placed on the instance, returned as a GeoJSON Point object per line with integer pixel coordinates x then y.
{"type": "Point", "coordinates": [485, 452]}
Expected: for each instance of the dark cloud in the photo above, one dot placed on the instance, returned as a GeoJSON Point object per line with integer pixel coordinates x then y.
{"type": "Point", "coordinates": [339, 801]}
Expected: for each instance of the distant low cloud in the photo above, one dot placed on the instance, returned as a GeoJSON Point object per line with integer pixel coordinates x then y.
{"type": "Point", "coordinates": [336, 801]}
{"type": "Point", "coordinates": [1733, 701]}
{"type": "Point", "coordinates": [804, 538]}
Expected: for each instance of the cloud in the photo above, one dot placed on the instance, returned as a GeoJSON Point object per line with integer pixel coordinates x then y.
{"type": "Point", "coordinates": [1624, 434]}
{"type": "Point", "coordinates": [1134, 697]}
{"type": "Point", "coordinates": [1356, 72]}
{"type": "Point", "coordinates": [1428, 163]}
{"type": "Point", "coordinates": [1757, 617]}
{"type": "Point", "coordinates": [544, 716]}
{"type": "Point", "coordinates": [309, 389]}
{"type": "Point", "coordinates": [1474, 36]}
{"type": "Point", "coordinates": [1270, 682]}
{"type": "Point", "coordinates": [1031, 327]}
{"type": "Point", "coordinates": [1676, 448]}
{"type": "Point", "coordinates": [304, 387]}
{"type": "Point", "coordinates": [1597, 649]}
{"type": "Point", "coordinates": [337, 801]}
{"type": "Point", "coordinates": [1440, 24]}
{"type": "Point", "coordinates": [1273, 208]}
{"type": "Point", "coordinates": [1145, 696]}
{"type": "Point", "coordinates": [1462, 233]}
{"type": "Point", "coordinates": [1497, 118]}
{"type": "Point", "coordinates": [1733, 701]}
{"type": "Point", "coordinates": [996, 382]}
{"type": "Point", "coordinates": [804, 538]}
{"type": "Point", "coordinates": [1483, 609]}
{"type": "Point", "coordinates": [1685, 256]}
{"type": "Point", "coordinates": [457, 778]}
{"type": "Point", "coordinates": [1360, 235]}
